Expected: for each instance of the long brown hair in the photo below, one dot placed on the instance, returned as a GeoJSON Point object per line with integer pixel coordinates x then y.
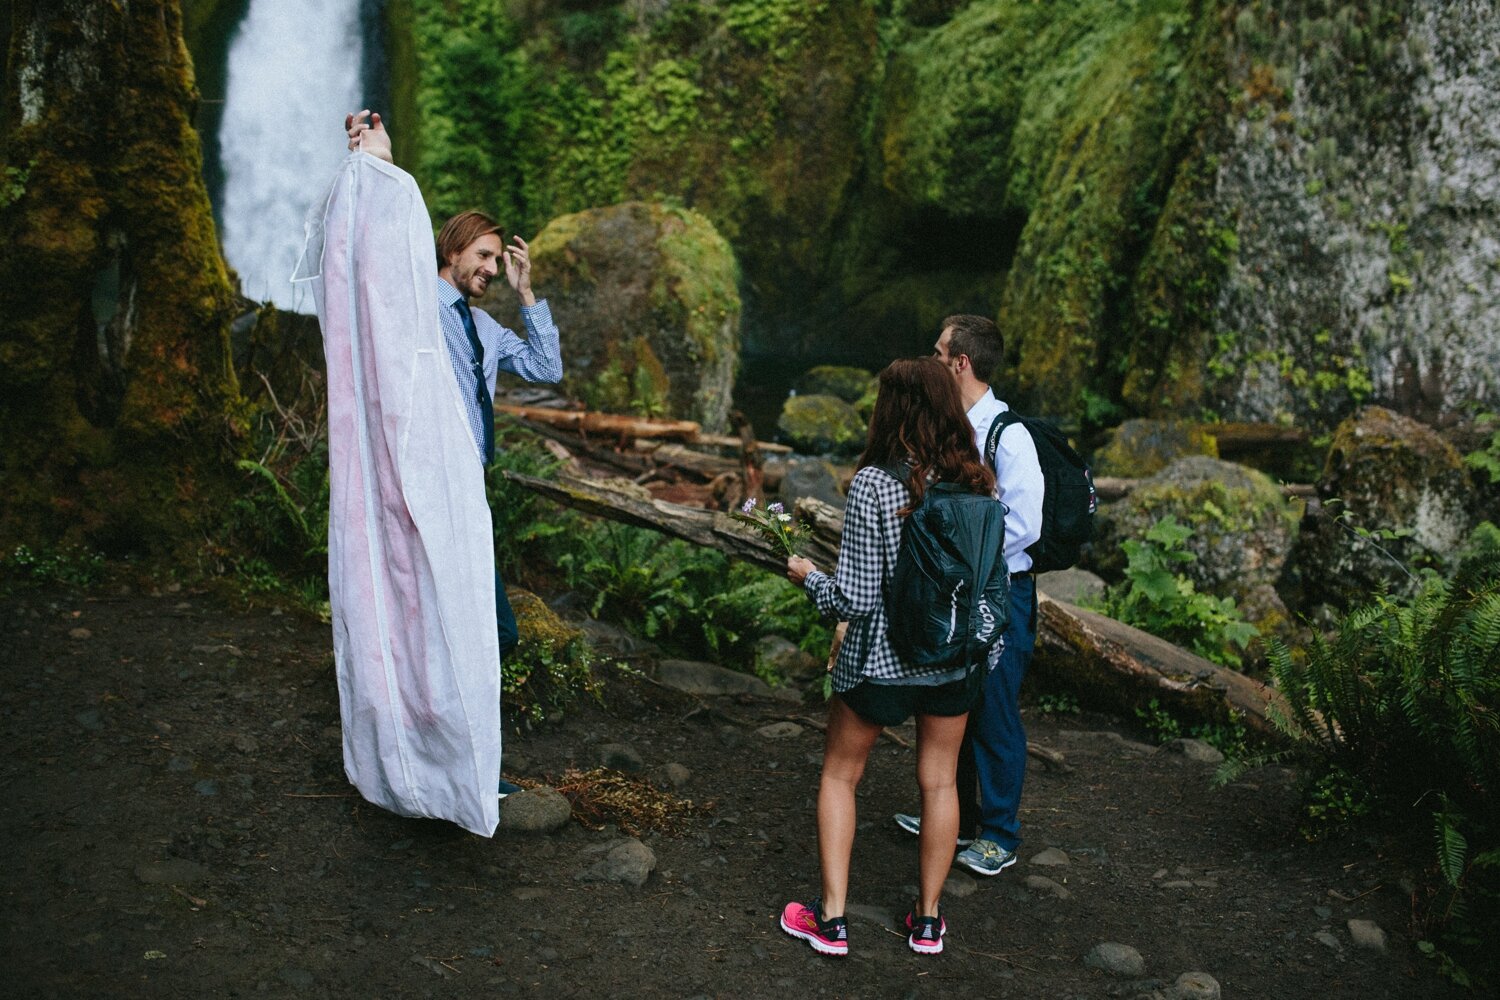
{"type": "Point", "coordinates": [920, 417]}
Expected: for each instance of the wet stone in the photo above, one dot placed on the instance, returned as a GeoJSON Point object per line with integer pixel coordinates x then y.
{"type": "Point", "coordinates": [1116, 959]}
{"type": "Point", "coordinates": [779, 731]}
{"type": "Point", "coordinates": [621, 757]}
{"type": "Point", "coordinates": [1052, 857]}
{"type": "Point", "coordinates": [1367, 934]}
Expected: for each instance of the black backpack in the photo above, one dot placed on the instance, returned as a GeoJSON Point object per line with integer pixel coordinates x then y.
{"type": "Point", "coordinates": [1068, 497]}
{"type": "Point", "coordinates": [949, 597]}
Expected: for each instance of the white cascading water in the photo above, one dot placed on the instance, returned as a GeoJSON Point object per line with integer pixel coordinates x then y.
{"type": "Point", "coordinates": [294, 72]}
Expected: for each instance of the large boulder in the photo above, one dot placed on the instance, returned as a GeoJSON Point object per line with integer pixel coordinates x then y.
{"type": "Point", "coordinates": [645, 297]}
{"type": "Point", "coordinates": [844, 381]}
{"type": "Point", "coordinates": [1243, 530]}
{"type": "Point", "coordinates": [1140, 448]}
{"type": "Point", "coordinates": [1395, 497]}
{"type": "Point", "coordinates": [822, 425]}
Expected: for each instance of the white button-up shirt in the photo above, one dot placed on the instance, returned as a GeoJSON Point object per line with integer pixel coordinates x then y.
{"type": "Point", "coordinates": [1018, 479]}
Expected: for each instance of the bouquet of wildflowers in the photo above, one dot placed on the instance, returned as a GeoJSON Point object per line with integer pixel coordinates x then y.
{"type": "Point", "coordinates": [774, 523]}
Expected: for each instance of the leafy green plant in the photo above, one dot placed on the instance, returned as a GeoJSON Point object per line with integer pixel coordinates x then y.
{"type": "Point", "coordinates": [1059, 703]}
{"type": "Point", "coordinates": [72, 566]}
{"type": "Point", "coordinates": [1399, 713]}
{"type": "Point", "coordinates": [542, 676]}
{"type": "Point", "coordinates": [520, 519]}
{"type": "Point", "coordinates": [1156, 598]}
{"type": "Point", "coordinates": [1486, 459]}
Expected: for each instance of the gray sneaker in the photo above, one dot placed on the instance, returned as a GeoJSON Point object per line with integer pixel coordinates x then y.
{"type": "Point", "coordinates": [913, 825]}
{"type": "Point", "coordinates": [985, 857]}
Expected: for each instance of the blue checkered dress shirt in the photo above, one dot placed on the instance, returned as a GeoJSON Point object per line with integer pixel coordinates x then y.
{"type": "Point", "coordinates": [537, 357]}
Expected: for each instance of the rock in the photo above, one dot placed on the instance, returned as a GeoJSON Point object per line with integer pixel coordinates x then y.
{"type": "Point", "coordinates": [779, 656]}
{"type": "Point", "coordinates": [1367, 934]}
{"type": "Point", "coordinates": [628, 863]}
{"type": "Point", "coordinates": [1243, 530]}
{"type": "Point", "coordinates": [821, 425]}
{"type": "Point", "coordinates": [1072, 586]}
{"type": "Point", "coordinates": [1116, 959]}
{"type": "Point", "coordinates": [534, 810]}
{"type": "Point", "coordinates": [208, 788]}
{"type": "Point", "coordinates": [1051, 857]}
{"type": "Point", "coordinates": [297, 978]}
{"type": "Point", "coordinates": [1389, 473]}
{"type": "Point", "coordinates": [621, 757]}
{"type": "Point", "coordinates": [871, 914]}
{"type": "Point", "coordinates": [530, 893]}
{"type": "Point", "coordinates": [805, 476]}
{"type": "Point", "coordinates": [696, 677]}
{"type": "Point", "coordinates": [608, 637]}
{"type": "Point", "coordinates": [1140, 448]}
{"type": "Point", "coordinates": [1328, 941]}
{"type": "Point", "coordinates": [673, 775]}
{"type": "Point", "coordinates": [648, 296]}
{"type": "Point", "coordinates": [174, 871]}
{"type": "Point", "coordinates": [845, 382]}
{"type": "Point", "coordinates": [779, 731]}
{"type": "Point", "coordinates": [1042, 884]}
{"type": "Point", "coordinates": [80, 633]}
{"type": "Point", "coordinates": [1197, 750]}
{"type": "Point", "coordinates": [959, 885]}
{"type": "Point", "coordinates": [245, 743]}
{"type": "Point", "coordinates": [89, 720]}
{"type": "Point", "coordinates": [1195, 986]}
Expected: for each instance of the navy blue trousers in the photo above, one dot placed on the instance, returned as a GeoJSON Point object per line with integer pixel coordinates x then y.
{"type": "Point", "coordinates": [505, 618]}
{"type": "Point", "coordinates": [992, 760]}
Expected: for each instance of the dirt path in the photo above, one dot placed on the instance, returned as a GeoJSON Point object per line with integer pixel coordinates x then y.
{"type": "Point", "coordinates": [177, 824]}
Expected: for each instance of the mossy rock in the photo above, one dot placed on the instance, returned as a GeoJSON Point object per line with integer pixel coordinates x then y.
{"type": "Point", "coordinates": [539, 624]}
{"type": "Point", "coordinates": [645, 298]}
{"type": "Point", "coordinates": [1399, 487]}
{"type": "Point", "coordinates": [846, 382]}
{"type": "Point", "coordinates": [1243, 527]}
{"type": "Point", "coordinates": [549, 669]}
{"type": "Point", "coordinates": [821, 425]}
{"type": "Point", "coordinates": [1140, 448]}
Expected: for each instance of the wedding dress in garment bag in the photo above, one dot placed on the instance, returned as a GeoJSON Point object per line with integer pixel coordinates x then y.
{"type": "Point", "coordinates": [410, 552]}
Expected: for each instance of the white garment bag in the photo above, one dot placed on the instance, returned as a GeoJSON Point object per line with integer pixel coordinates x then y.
{"type": "Point", "coordinates": [411, 573]}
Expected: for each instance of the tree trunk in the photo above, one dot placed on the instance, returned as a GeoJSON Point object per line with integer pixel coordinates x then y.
{"type": "Point", "coordinates": [117, 392]}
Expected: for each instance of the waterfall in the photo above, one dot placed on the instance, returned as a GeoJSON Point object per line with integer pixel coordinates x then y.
{"type": "Point", "coordinates": [295, 69]}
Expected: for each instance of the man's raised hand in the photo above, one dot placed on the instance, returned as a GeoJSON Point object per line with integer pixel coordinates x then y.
{"type": "Point", "coordinates": [518, 269]}
{"type": "Point", "coordinates": [369, 136]}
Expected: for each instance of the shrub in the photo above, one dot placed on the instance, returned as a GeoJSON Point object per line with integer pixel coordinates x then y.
{"type": "Point", "coordinates": [1399, 711]}
{"type": "Point", "coordinates": [1167, 604]}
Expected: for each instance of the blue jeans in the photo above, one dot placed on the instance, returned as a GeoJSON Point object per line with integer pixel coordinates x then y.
{"type": "Point", "coordinates": [992, 760]}
{"type": "Point", "coordinates": [505, 618]}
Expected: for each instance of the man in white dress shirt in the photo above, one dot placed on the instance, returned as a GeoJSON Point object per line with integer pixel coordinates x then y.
{"type": "Point", "coordinates": [993, 758]}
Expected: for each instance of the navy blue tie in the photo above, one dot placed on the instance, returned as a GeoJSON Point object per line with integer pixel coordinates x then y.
{"type": "Point", "coordinates": [486, 406]}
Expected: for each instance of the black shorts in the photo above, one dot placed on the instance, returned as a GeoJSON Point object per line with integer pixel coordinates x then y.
{"type": "Point", "coordinates": [893, 704]}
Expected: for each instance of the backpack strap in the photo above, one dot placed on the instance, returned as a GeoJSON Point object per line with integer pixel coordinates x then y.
{"type": "Point", "coordinates": [1002, 420]}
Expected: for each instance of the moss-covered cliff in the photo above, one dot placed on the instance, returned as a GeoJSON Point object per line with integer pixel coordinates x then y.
{"type": "Point", "coordinates": [116, 390]}
{"type": "Point", "coordinates": [1255, 209]}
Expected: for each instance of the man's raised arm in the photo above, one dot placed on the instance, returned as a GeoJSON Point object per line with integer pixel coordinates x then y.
{"type": "Point", "coordinates": [369, 136]}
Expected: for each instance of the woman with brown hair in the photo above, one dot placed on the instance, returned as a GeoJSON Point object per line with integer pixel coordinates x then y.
{"type": "Point", "coordinates": [918, 436]}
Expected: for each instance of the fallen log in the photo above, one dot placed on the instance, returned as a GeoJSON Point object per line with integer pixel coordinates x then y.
{"type": "Point", "coordinates": [591, 422]}
{"type": "Point", "coordinates": [710, 528]}
{"type": "Point", "coordinates": [1107, 664]}
{"type": "Point", "coordinates": [1113, 666]}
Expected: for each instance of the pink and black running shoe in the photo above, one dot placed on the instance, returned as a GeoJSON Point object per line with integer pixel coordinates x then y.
{"type": "Point", "coordinates": [827, 937]}
{"type": "Point", "coordinates": [925, 934]}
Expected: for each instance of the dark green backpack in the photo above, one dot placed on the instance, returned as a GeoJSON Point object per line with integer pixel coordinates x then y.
{"type": "Point", "coordinates": [949, 597]}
